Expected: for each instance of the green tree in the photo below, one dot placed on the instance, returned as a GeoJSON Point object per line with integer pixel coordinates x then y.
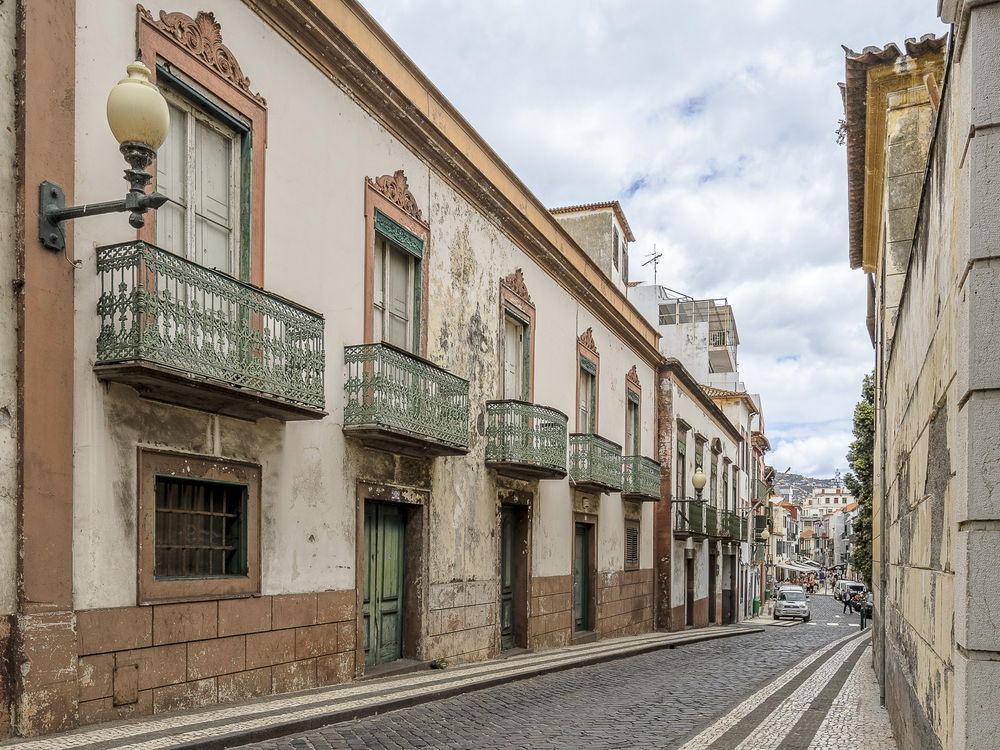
{"type": "Point", "coordinates": [861, 457]}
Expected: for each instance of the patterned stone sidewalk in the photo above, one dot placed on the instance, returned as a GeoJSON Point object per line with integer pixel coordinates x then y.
{"type": "Point", "coordinates": [829, 701]}
{"type": "Point", "coordinates": [285, 714]}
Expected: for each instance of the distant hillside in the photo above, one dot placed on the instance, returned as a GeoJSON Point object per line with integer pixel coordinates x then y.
{"type": "Point", "coordinates": [802, 486]}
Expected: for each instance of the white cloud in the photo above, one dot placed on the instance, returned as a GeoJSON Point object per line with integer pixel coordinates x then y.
{"type": "Point", "coordinates": [714, 124]}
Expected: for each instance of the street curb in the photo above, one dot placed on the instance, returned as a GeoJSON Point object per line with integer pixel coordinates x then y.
{"type": "Point", "coordinates": [280, 729]}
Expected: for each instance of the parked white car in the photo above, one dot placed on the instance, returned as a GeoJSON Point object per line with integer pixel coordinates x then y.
{"type": "Point", "coordinates": [792, 602]}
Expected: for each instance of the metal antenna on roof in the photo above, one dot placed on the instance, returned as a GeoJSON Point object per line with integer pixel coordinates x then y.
{"type": "Point", "coordinates": [654, 258]}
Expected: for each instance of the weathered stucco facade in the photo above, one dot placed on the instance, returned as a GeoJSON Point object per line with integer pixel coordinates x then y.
{"type": "Point", "coordinates": [99, 635]}
{"type": "Point", "coordinates": [922, 164]}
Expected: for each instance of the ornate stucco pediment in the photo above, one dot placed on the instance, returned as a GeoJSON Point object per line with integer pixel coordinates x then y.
{"type": "Point", "coordinates": [202, 37]}
{"type": "Point", "coordinates": [395, 188]}
{"type": "Point", "coordinates": [586, 340]}
{"type": "Point", "coordinates": [632, 377]}
{"type": "Point", "coordinates": [515, 283]}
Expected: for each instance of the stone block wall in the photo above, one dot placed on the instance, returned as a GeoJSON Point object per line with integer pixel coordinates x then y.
{"type": "Point", "coordinates": [625, 603]}
{"type": "Point", "coordinates": [462, 622]}
{"type": "Point", "coordinates": [550, 612]}
{"type": "Point", "coordinates": [136, 661]}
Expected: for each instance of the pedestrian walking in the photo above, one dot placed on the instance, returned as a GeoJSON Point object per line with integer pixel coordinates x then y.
{"type": "Point", "coordinates": [847, 602]}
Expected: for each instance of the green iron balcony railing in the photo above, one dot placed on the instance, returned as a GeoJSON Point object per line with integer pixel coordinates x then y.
{"type": "Point", "coordinates": [525, 440]}
{"type": "Point", "coordinates": [640, 478]}
{"type": "Point", "coordinates": [723, 527]}
{"type": "Point", "coordinates": [689, 518]}
{"type": "Point", "coordinates": [399, 402]}
{"type": "Point", "coordinates": [164, 319]}
{"type": "Point", "coordinates": [711, 520]}
{"type": "Point", "coordinates": [595, 463]}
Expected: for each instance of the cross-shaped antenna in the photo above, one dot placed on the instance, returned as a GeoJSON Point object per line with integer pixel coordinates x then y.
{"type": "Point", "coordinates": [654, 258]}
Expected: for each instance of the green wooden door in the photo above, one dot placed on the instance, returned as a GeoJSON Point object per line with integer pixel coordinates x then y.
{"type": "Point", "coordinates": [581, 577]}
{"type": "Point", "coordinates": [507, 525]}
{"type": "Point", "coordinates": [383, 604]}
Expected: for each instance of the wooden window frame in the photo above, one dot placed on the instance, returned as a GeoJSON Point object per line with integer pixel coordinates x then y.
{"type": "Point", "coordinates": [516, 302]}
{"type": "Point", "coordinates": [197, 107]}
{"type": "Point", "coordinates": [587, 351]}
{"type": "Point", "coordinates": [637, 525]}
{"type": "Point", "coordinates": [683, 428]}
{"type": "Point", "coordinates": [163, 52]}
{"type": "Point", "coordinates": [153, 463]}
{"type": "Point", "coordinates": [379, 208]}
{"type": "Point", "coordinates": [633, 392]}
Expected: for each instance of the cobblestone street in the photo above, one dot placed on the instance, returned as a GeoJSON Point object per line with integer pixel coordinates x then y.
{"type": "Point", "coordinates": [730, 693]}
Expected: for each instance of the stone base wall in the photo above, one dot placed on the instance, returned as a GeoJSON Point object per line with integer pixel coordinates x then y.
{"type": "Point", "coordinates": [462, 622]}
{"type": "Point", "coordinates": [625, 603]}
{"type": "Point", "coordinates": [7, 679]}
{"type": "Point", "coordinates": [136, 661]}
{"type": "Point", "coordinates": [909, 723]}
{"type": "Point", "coordinates": [550, 612]}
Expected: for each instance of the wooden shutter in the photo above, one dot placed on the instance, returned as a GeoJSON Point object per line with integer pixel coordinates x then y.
{"type": "Point", "coordinates": [171, 173]}
{"type": "Point", "coordinates": [513, 358]}
{"type": "Point", "coordinates": [398, 298]}
{"type": "Point", "coordinates": [213, 197]}
{"type": "Point", "coordinates": [632, 546]}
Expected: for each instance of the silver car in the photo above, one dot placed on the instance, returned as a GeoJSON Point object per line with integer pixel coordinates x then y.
{"type": "Point", "coordinates": [792, 602]}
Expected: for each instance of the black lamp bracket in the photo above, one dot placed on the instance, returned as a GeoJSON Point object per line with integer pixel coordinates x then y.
{"type": "Point", "coordinates": [53, 211]}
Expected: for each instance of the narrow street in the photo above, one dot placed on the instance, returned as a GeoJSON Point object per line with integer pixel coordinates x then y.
{"type": "Point", "coordinates": [747, 692]}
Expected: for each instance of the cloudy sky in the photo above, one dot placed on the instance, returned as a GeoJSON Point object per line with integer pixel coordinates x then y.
{"type": "Point", "coordinates": [714, 124]}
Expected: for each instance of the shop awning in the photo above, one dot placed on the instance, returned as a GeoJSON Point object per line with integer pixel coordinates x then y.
{"type": "Point", "coordinates": [795, 568]}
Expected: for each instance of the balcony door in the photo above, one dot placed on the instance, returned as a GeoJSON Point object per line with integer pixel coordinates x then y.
{"type": "Point", "coordinates": [394, 295]}
{"type": "Point", "coordinates": [514, 370]}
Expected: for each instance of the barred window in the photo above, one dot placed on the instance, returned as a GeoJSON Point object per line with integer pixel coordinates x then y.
{"type": "Point", "coordinates": [200, 528]}
{"type": "Point", "coordinates": [631, 545]}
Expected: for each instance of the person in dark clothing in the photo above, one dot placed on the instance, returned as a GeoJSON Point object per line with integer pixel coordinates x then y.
{"type": "Point", "coordinates": [847, 601]}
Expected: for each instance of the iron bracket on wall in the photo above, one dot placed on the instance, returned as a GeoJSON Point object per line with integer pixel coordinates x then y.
{"type": "Point", "coordinates": [52, 209]}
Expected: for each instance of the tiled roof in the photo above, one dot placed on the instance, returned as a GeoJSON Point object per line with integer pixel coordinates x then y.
{"type": "Point", "coordinates": [613, 205]}
{"type": "Point", "coordinates": [723, 393]}
{"type": "Point", "coordinates": [855, 93]}
{"type": "Point", "coordinates": [851, 506]}
{"type": "Point", "coordinates": [807, 534]}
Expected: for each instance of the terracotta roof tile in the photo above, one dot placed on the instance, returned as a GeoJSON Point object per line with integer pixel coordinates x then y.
{"type": "Point", "coordinates": [613, 205]}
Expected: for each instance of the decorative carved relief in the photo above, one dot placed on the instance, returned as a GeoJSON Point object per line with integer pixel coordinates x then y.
{"type": "Point", "coordinates": [515, 282]}
{"type": "Point", "coordinates": [586, 340]}
{"type": "Point", "coordinates": [202, 37]}
{"type": "Point", "coordinates": [632, 377]}
{"type": "Point", "coordinates": [395, 188]}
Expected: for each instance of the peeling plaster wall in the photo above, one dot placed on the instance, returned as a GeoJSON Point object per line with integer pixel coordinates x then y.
{"type": "Point", "coordinates": [8, 319]}
{"type": "Point", "coordinates": [310, 471]}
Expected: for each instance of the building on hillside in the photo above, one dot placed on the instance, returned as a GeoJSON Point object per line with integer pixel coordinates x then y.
{"type": "Point", "coordinates": [921, 123]}
{"type": "Point", "coordinates": [258, 448]}
{"type": "Point", "coordinates": [825, 500]}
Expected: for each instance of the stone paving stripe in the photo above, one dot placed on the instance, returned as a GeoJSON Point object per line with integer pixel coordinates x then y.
{"type": "Point", "coordinates": [802, 733]}
{"type": "Point", "coordinates": [707, 736]}
{"type": "Point", "coordinates": [280, 715]}
{"type": "Point", "coordinates": [733, 737]}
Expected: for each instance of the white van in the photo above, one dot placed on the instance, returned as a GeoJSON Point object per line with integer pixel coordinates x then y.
{"type": "Point", "coordinates": [855, 587]}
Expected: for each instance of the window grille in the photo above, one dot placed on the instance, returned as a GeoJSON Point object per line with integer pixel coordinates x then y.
{"type": "Point", "coordinates": [200, 529]}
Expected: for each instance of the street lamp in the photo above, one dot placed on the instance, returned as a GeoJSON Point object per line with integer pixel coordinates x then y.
{"type": "Point", "coordinates": [139, 119]}
{"type": "Point", "coordinates": [698, 480]}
